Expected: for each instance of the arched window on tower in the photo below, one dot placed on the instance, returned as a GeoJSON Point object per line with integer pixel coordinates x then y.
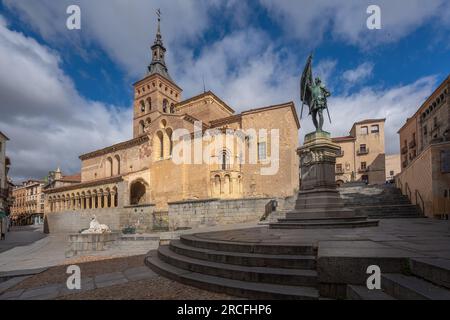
{"type": "Point", "coordinates": [225, 160]}
{"type": "Point", "coordinates": [149, 104]}
{"type": "Point", "coordinates": [141, 127]}
{"type": "Point", "coordinates": [165, 103]}
{"type": "Point", "coordinates": [172, 108]}
{"type": "Point", "coordinates": [160, 138]}
{"type": "Point", "coordinates": [142, 106]}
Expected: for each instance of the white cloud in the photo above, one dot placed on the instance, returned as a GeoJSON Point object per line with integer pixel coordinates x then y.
{"type": "Point", "coordinates": [361, 73]}
{"type": "Point", "coordinates": [346, 20]}
{"type": "Point", "coordinates": [48, 122]}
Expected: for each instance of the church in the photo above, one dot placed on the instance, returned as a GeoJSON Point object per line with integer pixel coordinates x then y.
{"type": "Point", "coordinates": [129, 181]}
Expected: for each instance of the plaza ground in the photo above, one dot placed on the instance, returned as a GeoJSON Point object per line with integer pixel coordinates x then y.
{"type": "Point", "coordinates": [120, 273]}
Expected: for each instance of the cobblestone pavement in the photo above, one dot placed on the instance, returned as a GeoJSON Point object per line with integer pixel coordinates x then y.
{"type": "Point", "coordinates": [122, 278]}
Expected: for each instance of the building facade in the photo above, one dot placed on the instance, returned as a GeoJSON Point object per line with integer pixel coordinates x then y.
{"type": "Point", "coordinates": [4, 167]}
{"type": "Point", "coordinates": [28, 203]}
{"type": "Point", "coordinates": [393, 166]}
{"type": "Point", "coordinates": [362, 155]}
{"type": "Point", "coordinates": [173, 156]}
{"type": "Point", "coordinates": [425, 152]}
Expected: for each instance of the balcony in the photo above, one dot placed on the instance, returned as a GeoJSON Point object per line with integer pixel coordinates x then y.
{"type": "Point", "coordinates": [405, 150]}
{"type": "Point", "coordinates": [340, 171]}
{"type": "Point", "coordinates": [363, 170]}
{"type": "Point", "coordinates": [412, 144]}
{"type": "Point", "coordinates": [362, 152]}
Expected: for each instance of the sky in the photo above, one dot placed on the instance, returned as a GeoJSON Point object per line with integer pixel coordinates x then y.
{"type": "Point", "coordinates": [65, 92]}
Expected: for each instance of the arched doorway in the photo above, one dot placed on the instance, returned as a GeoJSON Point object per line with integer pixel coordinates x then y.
{"type": "Point", "coordinates": [138, 192]}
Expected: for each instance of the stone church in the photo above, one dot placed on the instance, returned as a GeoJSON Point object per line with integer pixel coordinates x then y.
{"type": "Point", "coordinates": [141, 177]}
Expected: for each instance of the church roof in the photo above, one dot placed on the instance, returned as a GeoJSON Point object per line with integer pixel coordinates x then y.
{"type": "Point", "coordinates": [158, 64]}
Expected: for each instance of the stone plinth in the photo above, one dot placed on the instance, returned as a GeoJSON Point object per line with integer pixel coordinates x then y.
{"type": "Point", "coordinates": [319, 204]}
{"type": "Point", "coordinates": [88, 243]}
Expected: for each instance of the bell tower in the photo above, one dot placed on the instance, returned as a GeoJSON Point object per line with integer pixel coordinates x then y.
{"type": "Point", "coordinates": [156, 93]}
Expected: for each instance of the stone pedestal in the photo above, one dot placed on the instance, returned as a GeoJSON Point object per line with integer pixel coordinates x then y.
{"type": "Point", "coordinates": [319, 204]}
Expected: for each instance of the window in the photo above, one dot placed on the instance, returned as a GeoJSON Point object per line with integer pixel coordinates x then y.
{"type": "Point", "coordinates": [392, 173]}
{"type": "Point", "coordinates": [364, 130]}
{"type": "Point", "coordinates": [363, 148]}
{"type": "Point", "coordinates": [165, 102]}
{"type": "Point", "coordinates": [425, 130]}
{"type": "Point", "coordinates": [363, 165]}
{"type": "Point", "coordinates": [375, 129]}
{"type": "Point", "coordinates": [262, 151]}
{"type": "Point", "coordinates": [339, 168]}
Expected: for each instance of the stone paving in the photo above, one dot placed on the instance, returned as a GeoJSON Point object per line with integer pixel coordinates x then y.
{"type": "Point", "coordinates": [394, 237]}
{"type": "Point", "coordinates": [53, 291]}
{"type": "Point", "coordinates": [50, 250]}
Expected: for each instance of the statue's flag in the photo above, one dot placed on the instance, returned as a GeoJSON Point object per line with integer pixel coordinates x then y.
{"type": "Point", "coordinates": [305, 84]}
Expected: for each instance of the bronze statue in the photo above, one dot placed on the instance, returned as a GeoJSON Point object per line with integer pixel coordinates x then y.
{"type": "Point", "coordinates": [314, 94]}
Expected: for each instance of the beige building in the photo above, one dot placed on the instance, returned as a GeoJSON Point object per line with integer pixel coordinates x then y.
{"type": "Point", "coordinates": [425, 149]}
{"type": "Point", "coordinates": [362, 155]}
{"type": "Point", "coordinates": [28, 203]}
{"type": "Point", "coordinates": [393, 166]}
{"type": "Point", "coordinates": [145, 174]}
{"type": "Point", "coordinates": [4, 166]}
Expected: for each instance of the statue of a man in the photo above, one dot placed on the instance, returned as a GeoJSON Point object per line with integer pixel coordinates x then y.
{"type": "Point", "coordinates": [314, 94]}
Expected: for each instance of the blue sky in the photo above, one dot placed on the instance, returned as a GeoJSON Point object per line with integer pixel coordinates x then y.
{"type": "Point", "coordinates": [251, 54]}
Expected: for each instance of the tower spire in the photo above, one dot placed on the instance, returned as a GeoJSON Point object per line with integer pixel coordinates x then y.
{"type": "Point", "coordinates": [158, 64]}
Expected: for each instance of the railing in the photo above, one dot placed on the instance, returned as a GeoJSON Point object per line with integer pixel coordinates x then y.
{"type": "Point", "coordinates": [340, 171]}
{"type": "Point", "coordinates": [408, 191]}
{"type": "Point", "coordinates": [419, 196]}
{"type": "Point", "coordinates": [362, 152]}
{"type": "Point", "coordinates": [271, 206]}
{"type": "Point", "coordinates": [361, 170]}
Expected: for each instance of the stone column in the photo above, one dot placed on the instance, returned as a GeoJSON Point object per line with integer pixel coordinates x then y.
{"type": "Point", "coordinates": [99, 200]}
{"type": "Point", "coordinates": [105, 200]}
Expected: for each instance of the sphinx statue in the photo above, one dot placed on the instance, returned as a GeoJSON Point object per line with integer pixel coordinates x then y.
{"type": "Point", "coordinates": [96, 228]}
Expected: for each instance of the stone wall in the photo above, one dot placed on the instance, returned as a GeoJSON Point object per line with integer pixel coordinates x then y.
{"type": "Point", "coordinates": [140, 217]}
{"type": "Point", "coordinates": [206, 213]}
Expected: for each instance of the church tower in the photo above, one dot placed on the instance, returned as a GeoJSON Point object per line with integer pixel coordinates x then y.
{"type": "Point", "coordinates": [156, 93]}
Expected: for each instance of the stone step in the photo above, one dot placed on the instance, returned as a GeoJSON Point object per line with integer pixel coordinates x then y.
{"type": "Point", "coordinates": [325, 225]}
{"type": "Point", "coordinates": [411, 288]}
{"type": "Point", "coordinates": [329, 213]}
{"type": "Point", "coordinates": [295, 277]}
{"type": "Point", "coordinates": [395, 216]}
{"type": "Point", "coordinates": [243, 289]}
{"type": "Point", "coordinates": [434, 270]}
{"type": "Point", "coordinates": [329, 220]}
{"type": "Point", "coordinates": [245, 259]}
{"type": "Point", "coordinates": [268, 248]}
{"type": "Point", "coordinates": [362, 293]}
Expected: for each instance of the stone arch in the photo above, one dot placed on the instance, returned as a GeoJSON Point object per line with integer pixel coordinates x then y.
{"type": "Point", "coordinates": [95, 202]}
{"type": "Point", "coordinates": [217, 185]}
{"type": "Point", "coordinates": [142, 104]}
{"type": "Point", "coordinates": [108, 198]}
{"type": "Point", "coordinates": [168, 143]}
{"type": "Point", "coordinates": [227, 184]}
{"type": "Point", "coordinates": [172, 108]}
{"type": "Point", "coordinates": [141, 127]}
{"type": "Point", "coordinates": [159, 145]}
{"type": "Point", "coordinates": [116, 168]}
{"type": "Point", "coordinates": [116, 197]}
{"type": "Point", "coordinates": [339, 183]}
{"type": "Point", "coordinates": [224, 159]}
{"type": "Point", "coordinates": [109, 167]}
{"type": "Point", "coordinates": [149, 104]}
{"type": "Point", "coordinates": [138, 192]}
{"type": "Point", "coordinates": [102, 198]}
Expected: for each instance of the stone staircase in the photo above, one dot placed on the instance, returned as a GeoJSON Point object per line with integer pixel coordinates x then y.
{"type": "Point", "coordinates": [427, 279]}
{"type": "Point", "coordinates": [379, 202]}
{"type": "Point", "coordinates": [254, 271]}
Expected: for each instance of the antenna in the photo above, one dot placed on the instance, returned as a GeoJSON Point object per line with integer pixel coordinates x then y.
{"type": "Point", "coordinates": [204, 86]}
